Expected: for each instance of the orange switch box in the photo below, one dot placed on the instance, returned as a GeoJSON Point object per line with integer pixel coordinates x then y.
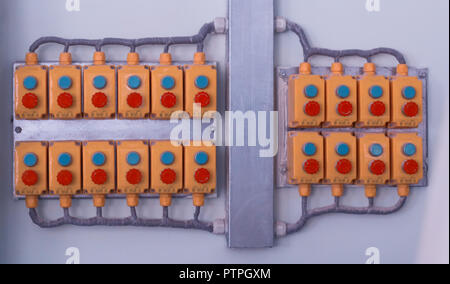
{"type": "Point", "coordinates": [306, 163]}
{"type": "Point", "coordinates": [341, 98]}
{"type": "Point", "coordinates": [341, 154]}
{"type": "Point", "coordinates": [65, 91]}
{"type": "Point", "coordinates": [99, 164]}
{"type": "Point", "coordinates": [31, 168]}
{"type": "Point", "coordinates": [374, 99]}
{"type": "Point", "coordinates": [167, 91]}
{"type": "Point", "coordinates": [64, 161]}
{"type": "Point", "coordinates": [31, 92]}
{"type": "Point", "coordinates": [166, 167]}
{"type": "Point", "coordinates": [406, 158]}
{"type": "Point", "coordinates": [406, 99]}
{"type": "Point", "coordinates": [133, 91]}
{"type": "Point", "coordinates": [200, 168]}
{"type": "Point", "coordinates": [306, 99]}
{"type": "Point", "coordinates": [99, 91]}
{"type": "Point", "coordinates": [133, 175]}
{"type": "Point", "coordinates": [200, 81]}
{"type": "Point", "coordinates": [374, 159]}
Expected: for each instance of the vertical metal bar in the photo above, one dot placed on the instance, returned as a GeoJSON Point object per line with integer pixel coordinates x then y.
{"type": "Point", "coordinates": [250, 88]}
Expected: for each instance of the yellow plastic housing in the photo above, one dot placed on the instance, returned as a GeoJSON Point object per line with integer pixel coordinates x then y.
{"type": "Point", "coordinates": [109, 110]}
{"type": "Point", "coordinates": [107, 148]}
{"type": "Point", "coordinates": [128, 109]}
{"type": "Point", "coordinates": [39, 111]}
{"type": "Point", "coordinates": [157, 150]}
{"type": "Point", "coordinates": [297, 158]}
{"type": "Point", "coordinates": [365, 176]}
{"type": "Point", "coordinates": [335, 80]}
{"type": "Point", "coordinates": [40, 168]}
{"type": "Point", "coordinates": [159, 111]}
{"type": "Point", "coordinates": [368, 98]}
{"type": "Point", "coordinates": [338, 160]}
{"type": "Point", "coordinates": [55, 149]}
{"type": "Point", "coordinates": [191, 72]}
{"type": "Point", "coordinates": [124, 148]}
{"type": "Point", "coordinates": [58, 110]}
{"type": "Point", "coordinates": [399, 157]}
{"type": "Point", "coordinates": [300, 99]}
{"type": "Point", "coordinates": [398, 101]}
{"type": "Point", "coordinates": [191, 168]}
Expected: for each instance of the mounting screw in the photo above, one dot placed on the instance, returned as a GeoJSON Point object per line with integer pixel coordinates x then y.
{"type": "Point", "coordinates": [18, 129]}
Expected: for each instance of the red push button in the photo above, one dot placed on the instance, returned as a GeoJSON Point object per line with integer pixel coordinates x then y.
{"type": "Point", "coordinates": [30, 178]}
{"type": "Point", "coordinates": [30, 100]}
{"type": "Point", "coordinates": [99, 177]}
{"type": "Point", "coordinates": [312, 108]}
{"type": "Point", "coordinates": [411, 167]}
{"type": "Point", "coordinates": [168, 100]}
{"type": "Point", "coordinates": [65, 100]}
{"type": "Point", "coordinates": [410, 109]}
{"type": "Point", "coordinates": [134, 176]}
{"type": "Point", "coordinates": [202, 176]}
{"type": "Point", "coordinates": [311, 166]}
{"type": "Point", "coordinates": [377, 167]}
{"type": "Point", "coordinates": [168, 176]}
{"type": "Point", "coordinates": [344, 166]}
{"type": "Point", "coordinates": [345, 108]}
{"type": "Point", "coordinates": [377, 108]}
{"type": "Point", "coordinates": [134, 100]}
{"type": "Point", "coordinates": [202, 99]}
{"type": "Point", "coordinates": [99, 100]}
{"type": "Point", "coordinates": [64, 177]}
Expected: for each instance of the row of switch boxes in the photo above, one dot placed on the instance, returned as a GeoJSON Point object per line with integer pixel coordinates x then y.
{"type": "Point", "coordinates": [107, 167]}
{"type": "Point", "coordinates": [368, 100]}
{"type": "Point", "coordinates": [343, 158]}
{"type": "Point", "coordinates": [154, 92]}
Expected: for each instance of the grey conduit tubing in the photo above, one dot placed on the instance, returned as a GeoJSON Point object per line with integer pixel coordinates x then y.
{"type": "Point", "coordinates": [336, 208]}
{"type": "Point", "coordinates": [197, 39]}
{"type": "Point", "coordinates": [309, 51]}
{"type": "Point", "coordinates": [133, 220]}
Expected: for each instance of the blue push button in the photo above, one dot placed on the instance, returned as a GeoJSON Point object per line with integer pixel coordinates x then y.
{"type": "Point", "coordinates": [30, 83]}
{"type": "Point", "coordinates": [409, 93]}
{"type": "Point", "coordinates": [342, 149]}
{"type": "Point", "coordinates": [343, 91]}
{"type": "Point", "coordinates": [99, 82]}
{"type": "Point", "coordinates": [98, 159]}
{"type": "Point", "coordinates": [201, 158]}
{"type": "Point", "coordinates": [65, 159]}
{"type": "Point", "coordinates": [309, 149]}
{"type": "Point", "coordinates": [376, 92]}
{"type": "Point", "coordinates": [167, 158]}
{"type": "Point", "coordinates": [202, 82]}
{"type": "Point", "coordinates": [376, 150]}
{"type": "Point", "coordinates": [168, 82]}
{"type": "Point", "coordinates": [134, 82]}
{"type": "Point", "coordinates": [409, 149]}
{"type": "Point", "coordinates": [133, 158]}
{"type": "Point", "coordinates": [311, 91]}
{"type": "Point", "coordinates": [30, 160]}
{"type": "Point", "coordinates": [65, 82]}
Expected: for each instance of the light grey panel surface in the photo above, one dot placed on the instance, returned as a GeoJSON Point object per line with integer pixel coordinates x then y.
{"type": "Point", "coordinates": [250, 88]}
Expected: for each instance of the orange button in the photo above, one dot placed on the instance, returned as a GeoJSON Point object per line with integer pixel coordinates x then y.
{"type": "Point", "coordinates": [64, 177]}
{"type": "Point", "coordinates": [99, 100]}
{"type": "Point", "coordinates": [30, 100]}
{"type": "Point", "coordinates": [65, 100]}
{"type": "Point", "coordinates": [202, 176]}
{"type": "Point", "coordinates": [30, 178]}
{"type": "Point", "coordinates": [134, 100]}
{"type": "Point", "coordinates": [168, 176]}
{"type": "Point", "coordinates": [99, 177]}
{"type": "Point", "coordinates": [134, 176]}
